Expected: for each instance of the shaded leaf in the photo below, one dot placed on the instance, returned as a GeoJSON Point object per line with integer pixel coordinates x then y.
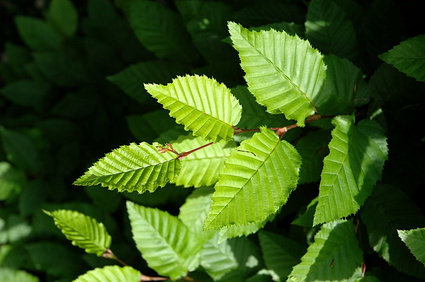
{"type": "Point", "coordinates": [164, 241]}
{"type": "Point", "coordinates": [64, 16]}
{"type": "Point", "coordinates": [201, 104]}
{"type": "Point", "coordinates": [38, 34]}
{"type": "Point", "coordinates": [110, 273]}
{"type": "Point", "coordinates": [353, 166]}
{"type": "Point", "coordinates": [83, 231]}
{"type": "Point", "coordinates": [135, 167]}
{"type": "Point", "coordinates": [334, 255]}
{"type": "Point", "coordinates": [256, 181]}
{"type": "Point", "coordinates": [408, 57]}
{"type": "Point", "coordinates": [284, 72]}
{"type": "Point", "coordinates": [329, 29]}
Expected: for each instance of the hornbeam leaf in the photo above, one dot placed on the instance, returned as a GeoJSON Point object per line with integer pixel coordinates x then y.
{"type": "Point", "coordinates": [415, 241]}
{"type": "Point", "coordinates": [83, 231]}
{"type": "Point", "coordinates": [284, 72]}
{"type": "Point", "coordinates": [353, 166]}
{"type": "Point", "coordinates": [201, 168]}
{"type": "Point", "coordinates": [408, 57]}
{"type": "Point", "coordinates": [134, 167]}
{"type": "Point", "coordinates": [164, 241]}
{"type": "Point", "coordinates": [201, 104]}
{"type": "Point", "coordinates": [110, 273]}
{"type": "Point", "coordinates": [334, 256]}
{"type": "Point", "coordinates": [256, 181]}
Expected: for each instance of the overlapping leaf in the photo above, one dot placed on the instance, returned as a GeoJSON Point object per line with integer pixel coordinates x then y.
{"type": "Point", "coordinates": [415, 241]}
{"type": "Point", "coordinates": [256, 181]}
{"type": "Point", "coordinates": [284, 72]}
{"type": "Point", "coordinates": [201, 168]}
{"type": "Point", "coordinates": [334, 256]}
{"type": "Point", "coordinates": [110, 273]}
{"type": "Point", "coordinates": [408, 57]}
{"type": "Point", "coordinates": [201, 104]}
{"type": "Point", "coordinates": [329, 29]}
{"type": "Point", "coordinates": [83, 231]}
{"type": "Point", "coordinates": [164, 241]}
{"type": "Point", "coordinates": [135, 167]}
{"type": "Point", "coordinates": [353, 166]}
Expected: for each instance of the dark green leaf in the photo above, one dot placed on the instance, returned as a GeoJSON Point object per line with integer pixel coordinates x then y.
{"type": "Point", "coordinates": [38, 34]}
{"type": "Point", "coordinates": [63, 15]}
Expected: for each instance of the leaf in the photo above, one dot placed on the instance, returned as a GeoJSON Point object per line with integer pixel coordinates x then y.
{"type": "Point", "coordinates": [12, 180]}
{"type": "Point", "coordinates": [408, 57]}
{"type": "Point", "coordinates": [344, 87]}
{"type": "Point", "coordinates": [312, 149]}
{"type": "Point", "coordinates": [234, 231]}
{"type": "Point", "coordinates": [385, 212]}
{"type": "Point", "coordinates": [64, 16]}
{"type": "Point", "coordinates": [13, 275]}
{"type": "Point", "coordinates": [280, 253]}
{"type": "Point", "coordinates": [256, 181]}
{"type": "Point", "coordinates": [201, 168]}
{"type": "Point", "coordinates": [329, 29]}
{"type": "Point", "coordinates": [110, 273]}
{"type": "Point", "coordinates": [25, 92]}
{"type": "Point", "coordinates": [132, 78]}
{"type": "Point", "coordinates": [20, 150]}
{"type": "Point", "coordinates": [334, 256]}
{"type": "Point", "coordinates": [161, 31]}
{"type": "Point", "coordinates": [133, 168]}
{"type": "Point", "coordinates": [38, 34]}
{"type": "Point", "coordinates": [201, 104]}
{"type": "Point", "coordinates": [353, 166]}
{"type": "Point", "coordinates": [164, 241]}
{"type": "Point", "coordinates": [284, 72]}
{"type": "Point", "coordinates": [83, 231]}
{"type": "Point", "coordinates": [231, 260]}
{"type": "Point", "coordinates": [415, 241]}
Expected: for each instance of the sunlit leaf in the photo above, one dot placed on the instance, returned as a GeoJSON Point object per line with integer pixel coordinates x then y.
{"type": "Point", "coordinates": [415, 241]}
{"type": "Point", "coordinates": [110, 273]}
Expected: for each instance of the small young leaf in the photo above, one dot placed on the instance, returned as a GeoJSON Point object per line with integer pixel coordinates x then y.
{"type": "Point", "coordinates": [133, 168]}
{"type": "Point", "coordinates": [64, 16]}
{"type": "Point", "coordinates": [283, 72]}
{"type": "Point", "coordinates": [408, 57]}
{"type": "Point", "coordinates": [110, 273]}
{"type": "Point", "coordinates": [415, 241]}
{"type": "Point", "coordinates": [334, 256]}
{"type": "Point", "coordinates": [201, 104]}
{"type": "Point", "coordinates": [201, 168]}
{"type": "Point", "coordinates": [83, 231]}
{"type": "Point", "coordinates": [164, 241]}
{"type": "Point", "coordinates": [329, 29]}
{"type": "Point", "coordinates": [353, 166]}
{"type": "Point", "coordinates": [256, 181]}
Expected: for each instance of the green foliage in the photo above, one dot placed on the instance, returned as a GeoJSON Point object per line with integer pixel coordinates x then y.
{"type": "Point", "coordinates": [278, 140]}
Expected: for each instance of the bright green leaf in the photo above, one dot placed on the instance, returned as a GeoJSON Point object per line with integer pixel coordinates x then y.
{"type": "Point", "coordinates": [83, 231]}
{"type": "Point", "coordinates": [284, 72]}
{"type": "Point", "coordinates": [64, 16]}
{"type": "Point", "coordinates": [415, 241]}
{"type": "Point", "coordinates": [135, 167]}
{"type": "Point", "coordinates": [110, 273]}
{"type": "Point", "coordinates": [256, 181]}
{"type": "Point", "coordinates": [201, 168]}
{"type": "Point", "coordinates": [408, 57]}
{"type": "Point", "coordinates": [280, 253]}
{"type": "Point", "coordinates": [329, 29]}
{"type": "Point", "coordinates": [352, 168]}
{"type": "Point", "coordinates": [201, 104]}
{"type": "Point", "coordinates": [38, 34]}
{"type": "Point", "coordinates": [335, 255]}
{"type": "Point", "coordinates": [164, 241]}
